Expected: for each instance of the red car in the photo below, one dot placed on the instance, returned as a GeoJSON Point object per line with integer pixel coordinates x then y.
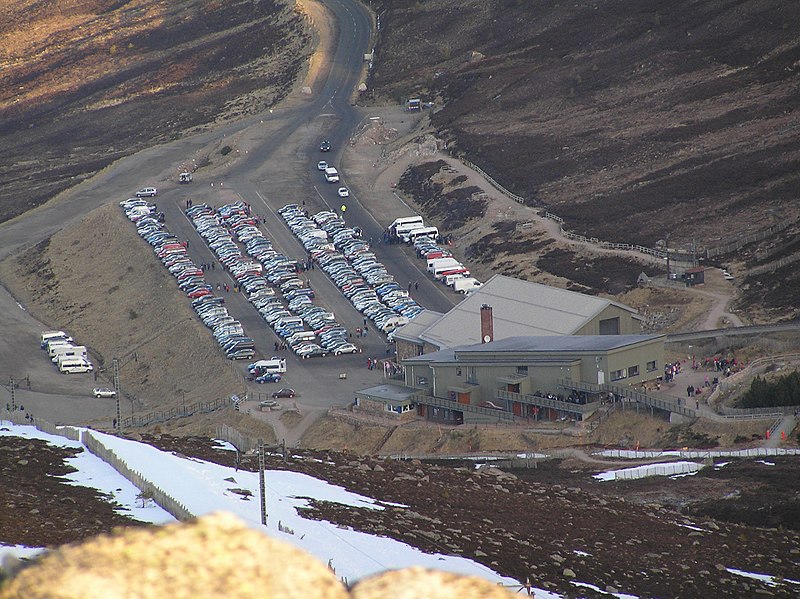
{"type": "Point", "coordinates": [198, 293]}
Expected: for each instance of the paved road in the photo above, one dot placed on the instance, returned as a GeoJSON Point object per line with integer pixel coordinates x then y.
{"type": "Point", "coordinates": [277, 165]}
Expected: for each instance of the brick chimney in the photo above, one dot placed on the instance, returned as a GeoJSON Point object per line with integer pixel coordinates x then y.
{"type": "Point", "coordinates": [487, 324]}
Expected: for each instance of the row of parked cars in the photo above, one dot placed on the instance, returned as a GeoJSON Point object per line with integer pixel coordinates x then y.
{"type": "Point", "coordinates": [444, 267]}
{"type": "Point", "coordinates": [346, 258]}
{"type": "Point", "coordinates": [261, 271]}
{"type": "Point", "coordinates": [227, 331]}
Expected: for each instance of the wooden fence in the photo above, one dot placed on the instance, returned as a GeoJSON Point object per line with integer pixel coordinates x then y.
{"type": "Point", "coordinates": [148, 488]}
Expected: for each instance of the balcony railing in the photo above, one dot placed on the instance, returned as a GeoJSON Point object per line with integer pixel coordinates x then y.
{"type": "Point", "coordinates": [438, 402]}
{"type": "Point", "coordinates": [546, 402]}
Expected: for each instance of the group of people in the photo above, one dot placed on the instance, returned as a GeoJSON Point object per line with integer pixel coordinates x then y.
{"type": "Point", "coordinates": [671, 370]}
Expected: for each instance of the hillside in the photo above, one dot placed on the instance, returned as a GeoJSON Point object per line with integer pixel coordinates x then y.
{"type": "Point", "coordinates": [631, 120]}
{"type": "Point", "coordinates": [83, 83]}
{"type": "Point", "coordinates": [553, 524]}
{"type": "Point", "coordinates": [100, 281]}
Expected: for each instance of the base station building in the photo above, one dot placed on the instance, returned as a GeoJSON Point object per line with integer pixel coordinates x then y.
{"type": "Point", "coordinates": [516, 351]}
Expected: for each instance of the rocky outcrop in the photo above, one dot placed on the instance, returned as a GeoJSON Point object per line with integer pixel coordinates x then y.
{"type": "Point", "coordinates": [215, 556]}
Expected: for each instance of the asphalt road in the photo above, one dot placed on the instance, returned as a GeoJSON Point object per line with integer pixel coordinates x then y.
{"type": "Point", "coordinates": [278, 167]}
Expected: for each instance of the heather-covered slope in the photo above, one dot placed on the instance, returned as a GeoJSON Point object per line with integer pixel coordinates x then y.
{"type": "Point", "coordinates": [83, 83]}
{"type": "Point", "coordinates": [630, 119]}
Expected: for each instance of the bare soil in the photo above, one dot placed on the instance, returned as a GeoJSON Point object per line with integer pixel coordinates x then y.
{"type": "Point", "coordinates": [529, 524]}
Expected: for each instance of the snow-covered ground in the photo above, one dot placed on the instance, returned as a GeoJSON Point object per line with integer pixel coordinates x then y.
{"type": "Point", "coordinates": [663, 469]}
{"type": "Point", "coordinates": [202, 487]}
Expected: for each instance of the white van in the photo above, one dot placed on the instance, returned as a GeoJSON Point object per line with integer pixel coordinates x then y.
{"type": "Point", "coordinates": [75, 365]}
{"type": "Point", "coordinates": [394, 322]}
{"type": "Point", "coordinates": [466, 284]}
{"type": "Point", "coordinates": [61, 352]}
{"type": "Point", "coordinates": [415, 234]}
{"type": "Point", "coordinates": [54, 349]}
{"type": "Point", "coordinates": [437, 262]}
{"type": "Point", "coordinates": [451, 279]}
{"type": "Point", "coordinates": [273, 365]}
{"type": "Point", "coordinates": [405, 220]}
{"type": "Point", "coordinates": [331, 175]}
{"type": "Point", "coordinates": [403, 230]}
{"type": "Point", "coordinates": [291, 320]}
{"type": "Point", "coordinates": [54, 335]}
{"type": "Point", "coordinates": [300, 336]}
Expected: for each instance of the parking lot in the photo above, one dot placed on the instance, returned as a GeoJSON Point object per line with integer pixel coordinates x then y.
{"type": "Point", "coordinates": [318, 381]}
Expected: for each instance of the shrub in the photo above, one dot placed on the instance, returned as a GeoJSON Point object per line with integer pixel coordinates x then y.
{"type": "Point", "coordinates": [783, 391]}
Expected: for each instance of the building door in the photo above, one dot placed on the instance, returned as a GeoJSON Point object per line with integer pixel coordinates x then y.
{"type": "Point", "coordinates": [512, 387]}
{"type": "Point", "coordinates": [463, 398]}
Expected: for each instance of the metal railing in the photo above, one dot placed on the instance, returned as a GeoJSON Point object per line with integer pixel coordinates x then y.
{"type": "Point", "coordinates": [546, 402]}
{"type": "Point", "coordinates": [438, 402]}
{"type": "Point", "coordinates": [200, 407]}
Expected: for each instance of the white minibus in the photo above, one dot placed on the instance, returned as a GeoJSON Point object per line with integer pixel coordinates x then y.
{"type": "Point", "coordinates": [75, 365]}
{"type": "Point", "coordinates": [62, 353]}
{"type": "Point", "coordinates": [405, 220]}
{"type": "Point", "coordinates": [273, 365]}
{"type": "Point", "coordinates": [413, 235]}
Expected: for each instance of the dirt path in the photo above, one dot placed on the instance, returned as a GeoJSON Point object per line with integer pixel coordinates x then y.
{"type": "Point", "coordinates": [377, 168]}
{"type": "Point", "coordinates": [290, 422]}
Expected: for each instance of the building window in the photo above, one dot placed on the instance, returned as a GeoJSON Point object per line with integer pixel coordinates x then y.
{"type": "Point", "coordinates": [633, 371]}
{"type": "Point", "coordinates": [458, 372]}
{"type": "Point", "coordinates": [651, 366]}
{"type": "Point", "coordinates": [422, 381]}
{"type": "Point", "coordinates": [617, 375]}
{"type": "Point", "coordinates": [609, 326]}
{"type": "Point", "coordinates": [471, 376]}
{"type": "Point", "coordinates": [522, 370]}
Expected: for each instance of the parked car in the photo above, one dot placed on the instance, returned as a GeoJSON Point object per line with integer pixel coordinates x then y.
{"type": "Point", "coordinates": [146, 192]}
{"type": "Point", "coordinates": [104, 392]}
{"type": "Point", "coordinates": [284, 393]}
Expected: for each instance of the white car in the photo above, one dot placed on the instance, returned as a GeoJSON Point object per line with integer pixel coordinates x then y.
{"type": "Point", "coordinates": [343, 192]}
{"type": "Point", "coordinates": [146, 192]}
{"type": "Point", "coordinates": [346, 348]}
{"type": "Point", "coordinates": [103, 392]}
{"type": "Point", "coordinates": [322, 165]}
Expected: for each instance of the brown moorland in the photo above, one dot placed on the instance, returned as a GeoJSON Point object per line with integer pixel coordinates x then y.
{"type": "Point", "coordinates": [633, 121]}
{"type": "Point", "coordinates": [85, 83]}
